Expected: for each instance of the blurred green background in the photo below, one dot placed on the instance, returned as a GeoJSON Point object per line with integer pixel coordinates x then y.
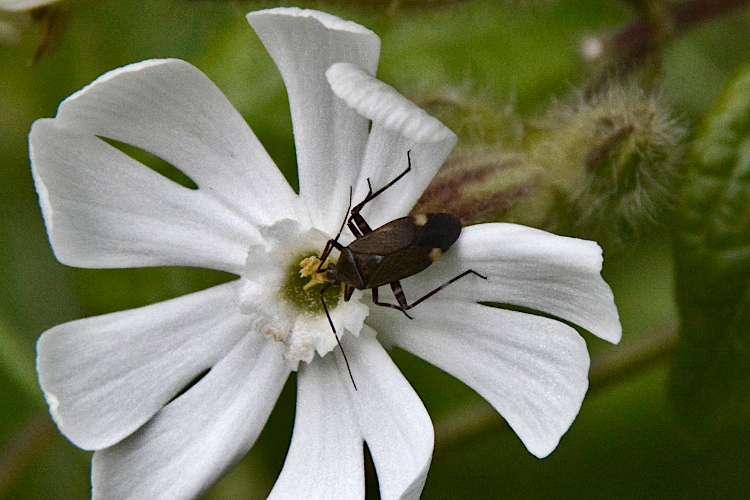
{"type": "Point", "coordinates": [626, 442]}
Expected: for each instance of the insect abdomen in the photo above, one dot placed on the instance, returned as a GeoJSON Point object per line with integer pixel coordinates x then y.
{"type": "Point", "coordinates": [439, 231]}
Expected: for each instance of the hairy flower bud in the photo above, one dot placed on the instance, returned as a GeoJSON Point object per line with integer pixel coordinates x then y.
{"type": "Point", "coordinates": [487, 187]}
{"type": "Point", "coordinates": [613, 156]}
{"type": "Point", "coordinates": [488, 180]}
{"type": "Point", "coordinates": [602, 165]}
{"type": "Point", "coordinates": [472, 114]}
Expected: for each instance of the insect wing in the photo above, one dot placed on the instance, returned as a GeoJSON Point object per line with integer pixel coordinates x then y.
{"type": "Point", "coordinates": [403, 247]}
{"type": "Point", "coordinates": [349, 270]}
{"type": "Point", "coordinates": [389, 238]}
{"type": "Point", "coordinates": [398, 265]}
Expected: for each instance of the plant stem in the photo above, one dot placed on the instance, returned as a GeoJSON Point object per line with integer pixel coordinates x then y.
{"type": "Point", "coordinates": [22, 449]}
{"type": "Point", "coordinates": [635, 40]}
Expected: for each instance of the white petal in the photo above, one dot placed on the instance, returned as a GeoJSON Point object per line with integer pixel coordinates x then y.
{"type": "Point", "coordinates": [105, 376]}
{"type": "Point", "coordinates": [199, 436]}
{"type": "Point", "coordinates": [329, 136]}
{"type": "Point", "coordinates": [103, 209]}
{"type": "Point", "coordinates": [172, 110]}
{"type": "Point", "coordinates": [14, 5]}
{"type": "Point", "coordinates": [527, 267]}
{"type": "Point", "coordinates": [532, 369]}
{"type": "Point", "coordinates": [325, 459]}
{"type": "Point", "coordinates": [398, 126]}
{"type": "Point", "coordinates": [326, 456]}
{"type": "Point", "coordinates": [393, 420]}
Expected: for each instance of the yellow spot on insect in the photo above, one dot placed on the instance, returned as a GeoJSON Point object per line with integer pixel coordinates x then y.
{"type": "Point", "coordinates": [435, 254]}
{"type": "Point", "coordinates": [420, 220]}
{"type": "Point", "coordinates": [309, 267]}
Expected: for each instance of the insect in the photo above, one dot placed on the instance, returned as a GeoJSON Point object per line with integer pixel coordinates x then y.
{"type": "Point", "coordinates": [388, 254]}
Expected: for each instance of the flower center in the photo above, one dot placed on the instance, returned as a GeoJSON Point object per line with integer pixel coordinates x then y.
{"type": "Point", "coordinates": [303, 285]}
{"type": "Point", "coordinates": [283, 289]}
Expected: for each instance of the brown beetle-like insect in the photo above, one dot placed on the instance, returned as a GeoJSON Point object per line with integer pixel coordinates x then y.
{"type": "Point", "coordinates": [388, 254]}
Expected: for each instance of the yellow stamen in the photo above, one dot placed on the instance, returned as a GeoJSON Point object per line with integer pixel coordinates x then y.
{"type": "Point", "coordinates": [309, 267]}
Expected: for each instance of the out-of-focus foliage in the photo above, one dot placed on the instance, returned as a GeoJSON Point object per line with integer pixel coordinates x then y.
{"type": "Point", "coordinates": [711, 378]}
{"type": "Point", "coordinates": [515, 55]}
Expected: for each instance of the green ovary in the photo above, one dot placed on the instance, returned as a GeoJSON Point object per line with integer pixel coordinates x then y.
{"type": "Point", "coordinates": [303, 285]}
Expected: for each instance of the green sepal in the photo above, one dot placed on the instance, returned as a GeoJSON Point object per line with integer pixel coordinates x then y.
{"type": "Point", "coordinates": [710, 382]}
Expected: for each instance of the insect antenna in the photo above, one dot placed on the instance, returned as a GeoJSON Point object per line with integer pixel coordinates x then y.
{"type": "Point", "coordinates": [333, 328]}
{"type": "Point", "coordinates": [341, 229]}
{"type": "Point", "coordinates": [371, 196]}
{"type": "Point", "coordinates": [333, 244]}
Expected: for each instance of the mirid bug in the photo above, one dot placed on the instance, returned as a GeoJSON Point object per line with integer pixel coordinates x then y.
{"type": "Point", "coordinates": [388, 254]}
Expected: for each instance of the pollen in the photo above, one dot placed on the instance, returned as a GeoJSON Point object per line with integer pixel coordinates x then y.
{"type": "Point", "coordinates": [309, 267]}
{"type": "Point", "coordinates": [420, 220]}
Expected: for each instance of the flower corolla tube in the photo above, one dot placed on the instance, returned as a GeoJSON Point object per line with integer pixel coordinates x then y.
{"type": "Point", "coordinates": [124, 384]}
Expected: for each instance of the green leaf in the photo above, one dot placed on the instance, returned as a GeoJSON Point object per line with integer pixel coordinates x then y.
{"type": "Point", "coordinates": [710, 382]}
{"type": "Point", "coordinates": [17, 363]}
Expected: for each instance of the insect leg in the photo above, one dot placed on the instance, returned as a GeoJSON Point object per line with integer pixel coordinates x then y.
{"type": "Point", "coordinates": [430, 294]}
{"type": "Point", "coordinates": [327, 251]}
{"type": "Point", "coordinates": [358, 227]}
{"type": "Point", "coordinates": [356, 220]}
{"type": "Point", "coordinates": [403, 306]}
{"type": "Point", "coordinates": [399, 293]}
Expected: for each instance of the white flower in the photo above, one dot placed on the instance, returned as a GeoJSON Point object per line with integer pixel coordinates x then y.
{"type": "Point", "coordinates": [111, 380]}
{"type": "Point", "coordinates": [21, 5]}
